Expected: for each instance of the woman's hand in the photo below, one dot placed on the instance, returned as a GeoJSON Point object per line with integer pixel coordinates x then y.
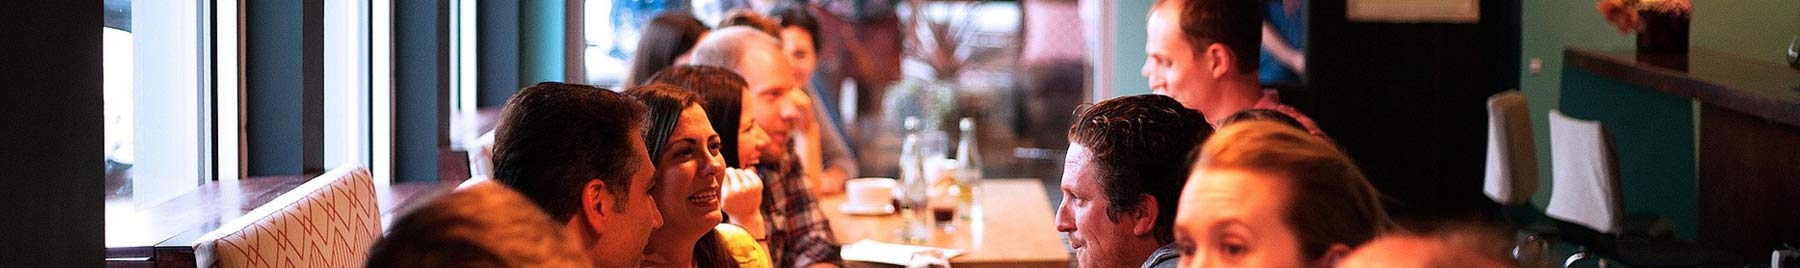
{"type": "Point", "coordinates": [742, 192]}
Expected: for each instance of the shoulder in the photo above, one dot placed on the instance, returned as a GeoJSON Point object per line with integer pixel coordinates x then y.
{"type": "Point", "coordinates": [1164, 257]}
{"type": "Point", "coordinates": [1273, 103]}
{"type": "Point", "coordinates": [743, 248]}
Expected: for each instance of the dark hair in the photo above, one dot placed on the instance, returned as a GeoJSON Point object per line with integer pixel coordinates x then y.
{"type": "Point", "coordinates": [552, 138]}
{"type": "Point", "coordinates": [1235, 23]}
{"type": "Point", "coordinates": [795, 14]}
{"type": "Point", "coordinates": [1260, 115]}
{"type": "Point", "coordinates": [485, 225]}
{"type": "Point", "coordinates": [1329, 200]}
{"type": "Point", "coordinates": [665, 103]}
{"type": "Point", "coordinates": [745, 17]}
{"type": "Point", "coordinates": [1131, 138]}
{"type": "Point", "coordinates": [664, 38]}
{"type": "Point", "coordinates": [721, 92]}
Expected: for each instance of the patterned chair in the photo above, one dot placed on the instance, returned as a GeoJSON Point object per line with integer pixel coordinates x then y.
{"type": "Point", "coordinates": [328, 222]}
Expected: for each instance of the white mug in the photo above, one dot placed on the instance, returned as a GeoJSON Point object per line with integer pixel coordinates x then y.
{"type": "Point", "coordinates": [869, 191]}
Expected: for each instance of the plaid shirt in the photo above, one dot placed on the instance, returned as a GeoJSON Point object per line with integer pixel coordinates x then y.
{"type": "Point", "coordinates": [799, 234]}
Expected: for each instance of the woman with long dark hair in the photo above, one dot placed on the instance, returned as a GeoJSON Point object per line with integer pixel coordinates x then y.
{"type": "Point", "coordinates": [798, 235]}
{"type": "Point", "coordinates": [665, 41]}
{"type": "Point", "coordinates": [692, 187]}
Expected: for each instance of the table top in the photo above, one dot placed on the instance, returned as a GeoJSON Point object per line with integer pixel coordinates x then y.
{"type": "Point", "coordinates": [1015, 228]}
{"type": "Point", "coordinates": [179, 221]}
{"type": "Point", "coordinates": [1758, 88]}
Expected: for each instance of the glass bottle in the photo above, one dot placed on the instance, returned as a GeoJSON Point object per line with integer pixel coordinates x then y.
{"type": "Point", "coordinates": [914, 197]}
{"type": "Point", "coordinates": [968, 168]}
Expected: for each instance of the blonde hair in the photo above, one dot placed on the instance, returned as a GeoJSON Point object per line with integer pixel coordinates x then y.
{"type": "Point", "coordinates": [1329, 200]}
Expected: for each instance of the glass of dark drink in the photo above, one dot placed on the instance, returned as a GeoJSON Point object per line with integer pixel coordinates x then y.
{"type": "Point", "coordinates": [943, 210]}
{"type": "Point", "coordinates": [942, 214]}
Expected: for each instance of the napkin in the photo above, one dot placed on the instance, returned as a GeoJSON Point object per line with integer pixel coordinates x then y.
{"type": "Point", "coordinates": [889, 253]}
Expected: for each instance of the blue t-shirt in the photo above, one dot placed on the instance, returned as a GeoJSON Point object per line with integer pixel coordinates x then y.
{"type": "Point", "coordinates": [1292, 29]}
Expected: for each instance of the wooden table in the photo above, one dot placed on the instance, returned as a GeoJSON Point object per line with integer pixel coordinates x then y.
{"type": "Point", "coordinates": [1015, 228]}
{"type": "Point", "coordinates": [163, 235]}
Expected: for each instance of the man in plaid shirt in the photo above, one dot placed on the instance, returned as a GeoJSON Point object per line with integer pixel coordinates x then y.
{"type": "Point", "coordinates": [799, 236]}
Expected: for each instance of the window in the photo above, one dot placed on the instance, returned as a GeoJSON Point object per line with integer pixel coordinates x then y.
{"type": "Point", "coordinates": [611, 29]}
{"type": "Point", "coordinates": [158, 122]}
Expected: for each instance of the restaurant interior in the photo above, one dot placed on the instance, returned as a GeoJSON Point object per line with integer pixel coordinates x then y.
{"type": "Point", "coordinates": [218, 133]}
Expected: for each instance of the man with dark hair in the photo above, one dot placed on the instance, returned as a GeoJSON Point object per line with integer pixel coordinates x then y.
{"type": "Point", "coordinates": [1125, 168]}
{"type": "Point", "coordinates": [1205, 53]}
{"type": "Point", "coordinates": [575, 152]}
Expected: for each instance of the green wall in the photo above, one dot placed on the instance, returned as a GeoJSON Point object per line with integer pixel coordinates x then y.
{"type": "Point", "coordinates": [541, 41]}
{"type": "Point", "coordinates": [1128, 38]}
{"type": "Point", "coordinates": [1758, 29]}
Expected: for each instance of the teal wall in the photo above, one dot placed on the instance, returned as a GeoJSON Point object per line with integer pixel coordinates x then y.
{"type": "Point", "coordinates": [1653, 135]}
{"type": "Point", "coordinates": [1758, 29]}
{"type": "Point", "coordinates": [1128, 38]}
{"type": "Point", "coordinates": [541, 27]}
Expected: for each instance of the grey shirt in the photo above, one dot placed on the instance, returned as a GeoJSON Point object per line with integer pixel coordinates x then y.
{"type": "Point", "coordinates": [1164, 257]}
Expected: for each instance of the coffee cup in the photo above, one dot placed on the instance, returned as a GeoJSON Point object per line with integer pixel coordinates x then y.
{"type": "Point", "coordinates": [869, 192]}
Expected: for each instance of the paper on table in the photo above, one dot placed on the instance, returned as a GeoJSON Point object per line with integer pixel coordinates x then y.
{"type": "Point", "coordinates": [889, 253]}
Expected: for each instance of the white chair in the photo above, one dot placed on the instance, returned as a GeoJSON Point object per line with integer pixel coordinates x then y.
{"type": "Point", "coordinates": [481, 156]}
{"type": "Point", "coordinates": [1585, 175]}
{"type": "Point", "coordinates": [329, 221]}
{"type": "Point", "coordinates": [1511, 153]}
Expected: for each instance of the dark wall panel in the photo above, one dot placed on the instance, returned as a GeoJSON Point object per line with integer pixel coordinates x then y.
{"type": "Point", "coordinates": [497, 52]}
{"type": "Point", "coordinates": [421, 87]}
{"type": "Point", "coordinates": [51, 112]}
{"type": "Point", "coordinates": [274, 72]}
{"type": "Point", "coordinates": [1407, 101]}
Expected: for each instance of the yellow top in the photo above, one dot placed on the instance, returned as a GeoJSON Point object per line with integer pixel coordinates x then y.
{"type": "Point", "coordinates": [743, 247]}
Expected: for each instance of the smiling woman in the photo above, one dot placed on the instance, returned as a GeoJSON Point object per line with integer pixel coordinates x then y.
{"type": "Point", "coordinates": [690, 175]}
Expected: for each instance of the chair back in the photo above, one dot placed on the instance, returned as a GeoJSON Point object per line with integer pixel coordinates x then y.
{"type": "Point", "coordinates": [481, 156]}
{"type": "Point", "coordinates": [1511, 153]}
{"type": "Point", "coordinates": [1585, 175]}
{"type": "Point", "coordinates": [330, 221]}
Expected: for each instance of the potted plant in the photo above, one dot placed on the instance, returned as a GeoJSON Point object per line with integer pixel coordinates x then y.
{"type": "Point", "coordinates": [1662, 26]}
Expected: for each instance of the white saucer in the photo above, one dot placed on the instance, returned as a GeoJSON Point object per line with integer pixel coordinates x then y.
{"type": "Point", "coordinates": [866, 210]}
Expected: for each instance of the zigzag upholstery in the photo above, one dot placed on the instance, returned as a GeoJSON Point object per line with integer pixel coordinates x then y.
{"type": "Point", "coordinates": [328, 222]}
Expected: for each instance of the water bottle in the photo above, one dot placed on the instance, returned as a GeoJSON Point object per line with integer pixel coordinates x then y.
{"type": "Point", "coordinates": [968, 169]}
{"type": "Point", "coordinates": [914, 197]}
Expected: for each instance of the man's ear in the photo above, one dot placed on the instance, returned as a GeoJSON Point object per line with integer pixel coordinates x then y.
{"type": "Point", "coordinates": [594, 203]}
{"type": "Point", "coordinates": [1222, 61]}
{"type": "Point", "coordinates": [1333, 255]}
{"type": "Point", "coordinates": [1144, 221]}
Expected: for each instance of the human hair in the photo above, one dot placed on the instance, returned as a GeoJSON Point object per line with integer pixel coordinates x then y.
{"type": "Point", "coordinates": [1131, 138]}
{"type": "Point", "coordinates": [1235, 23]}
{"type": "Point", "coordinates": [746, 17]}
{"type": "Point", "coordinates": [486, 225]}
{"type": "Point", "coordinates": [663, 39]}
{"type": "Point", "coordinates": [722, 95]}
{"type": "Point", "coordinates": [1262, 115]}
{"type": "Point", "coordinates": [727, 46]}
{"type": "Point", "coordinates": [1329, 200]}
{"type": "Point", "coordinates": [552, 138]}
{"type": "Point", "coordinates": [665, 103]}
{"type": "Point", "coordinates": [795, 14]}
